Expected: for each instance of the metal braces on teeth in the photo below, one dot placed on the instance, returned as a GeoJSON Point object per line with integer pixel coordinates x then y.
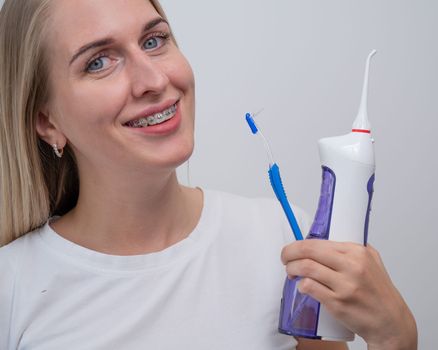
{"type": "Point", "coordinates": [152, 120]}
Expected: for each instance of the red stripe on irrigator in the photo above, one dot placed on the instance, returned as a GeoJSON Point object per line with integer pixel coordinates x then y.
{"type": "Point", "coordinates": [362, 130]}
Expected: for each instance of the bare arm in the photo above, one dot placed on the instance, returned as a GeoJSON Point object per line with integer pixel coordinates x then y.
{"type": "Point", "coordinates": [307, 344]}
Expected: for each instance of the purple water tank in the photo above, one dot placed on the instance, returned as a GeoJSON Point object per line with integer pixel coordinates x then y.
{"type": "Point", "coordinates": [299, 313]}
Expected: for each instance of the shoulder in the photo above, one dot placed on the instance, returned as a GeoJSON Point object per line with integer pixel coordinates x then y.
{"type": "Point", "coordinates": [14, 258]}
{"type": "Point", "coordinates": [261, 207]}
{"type": "Point", "coordinates": [9, 256]}
{"type": "Point", "coordinates": [14, 254]}
{"type": "Point", "coordinates": [259, 214]}
{"type": "Point", "coordinates": [9, 260]}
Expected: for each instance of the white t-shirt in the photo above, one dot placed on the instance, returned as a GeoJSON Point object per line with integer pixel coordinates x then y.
{"type": "Point", "coordinates": [220, 288]}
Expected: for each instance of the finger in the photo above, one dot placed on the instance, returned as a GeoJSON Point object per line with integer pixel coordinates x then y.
{"type": "Point", "coordinates": [378, 259]}
{"type": "Point", "coordinates": [375, 254]}
{"type": "Point", "coordinates": [328, 253]}
{"type": "Point", "coordinates": [307, 268]}
{"type": "Point", "coordinates": [316, 290]}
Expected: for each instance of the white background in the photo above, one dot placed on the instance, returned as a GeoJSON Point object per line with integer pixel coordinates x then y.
{"type": "Point", "coordinates": [303, 61]}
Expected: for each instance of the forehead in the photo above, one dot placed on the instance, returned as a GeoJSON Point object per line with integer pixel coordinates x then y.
{"type": "Point", "coordinates": [75, 23]}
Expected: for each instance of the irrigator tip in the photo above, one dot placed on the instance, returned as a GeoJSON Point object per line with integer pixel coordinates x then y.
{"type": "Point", "coordinates": [362, 124]}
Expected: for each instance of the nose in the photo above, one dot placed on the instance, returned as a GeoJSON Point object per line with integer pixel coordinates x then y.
{"type": "Point", "coordinates": [148, 75]}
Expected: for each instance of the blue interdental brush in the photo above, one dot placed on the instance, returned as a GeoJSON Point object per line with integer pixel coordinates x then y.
{"type": "Point", "coordinates": [276, 183]}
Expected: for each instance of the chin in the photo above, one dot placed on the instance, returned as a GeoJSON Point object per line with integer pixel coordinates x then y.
{"type": "Point", "coordinates": [184, 155]}
{"type": "Point", "coordinates": [178, 157]}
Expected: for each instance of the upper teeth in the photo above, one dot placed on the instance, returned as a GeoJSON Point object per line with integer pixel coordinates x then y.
{"type": "Point", "coordinates": [156, 118]}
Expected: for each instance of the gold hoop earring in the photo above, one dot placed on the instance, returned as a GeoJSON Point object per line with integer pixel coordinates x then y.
{"type": "Point", "coordinates": [58, 152]}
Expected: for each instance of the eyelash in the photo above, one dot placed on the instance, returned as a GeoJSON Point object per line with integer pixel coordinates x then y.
{"type": "Point", "coordinates": [161, 35]}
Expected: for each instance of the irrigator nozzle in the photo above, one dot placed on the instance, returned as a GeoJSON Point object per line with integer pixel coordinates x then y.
{"type": "Point", "coordinates": [362, 124]}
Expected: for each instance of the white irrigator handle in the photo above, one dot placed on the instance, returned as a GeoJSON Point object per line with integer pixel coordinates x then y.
{"type": "Point", "coordinates": [361, 123]}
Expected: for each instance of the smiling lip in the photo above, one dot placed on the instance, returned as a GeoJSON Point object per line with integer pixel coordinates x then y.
{"type": "Point", "coordinates": [153, 110]}
{"type": "Point", "coordinates": [166, 128]}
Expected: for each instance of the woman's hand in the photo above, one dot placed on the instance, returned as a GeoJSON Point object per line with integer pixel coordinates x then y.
{"type": "Point", "coordinates": [350, 280]}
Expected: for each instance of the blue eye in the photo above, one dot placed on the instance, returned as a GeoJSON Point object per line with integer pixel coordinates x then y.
{"type": "Point", "coordinates": [151, 43]}
{"type": "Point", "coordinates": [156, 40]}
{"type": "Point", "coordinates": [97, 64]}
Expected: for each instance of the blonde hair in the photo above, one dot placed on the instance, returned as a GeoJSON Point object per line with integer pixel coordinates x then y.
{"type": "Point", "coordinates": [34, 183]}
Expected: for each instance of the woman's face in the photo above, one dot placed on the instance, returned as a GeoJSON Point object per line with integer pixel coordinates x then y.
{"type": "Point", "coordinates": [114, 62]}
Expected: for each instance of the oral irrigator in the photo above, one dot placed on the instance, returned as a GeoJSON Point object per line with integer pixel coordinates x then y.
{"type": "Point", "coordinates": [343, 211]}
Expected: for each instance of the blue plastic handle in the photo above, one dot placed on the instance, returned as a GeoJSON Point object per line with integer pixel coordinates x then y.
{"type": "Point", "coordinates": [277, 186]}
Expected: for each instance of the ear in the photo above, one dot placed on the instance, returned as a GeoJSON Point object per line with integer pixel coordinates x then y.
{"type": "Point", "coordinates": [47, 130]}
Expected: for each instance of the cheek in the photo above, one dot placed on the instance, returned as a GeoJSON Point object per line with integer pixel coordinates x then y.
{"type": "Point", "coordinates": [87, 114]}
{"type": "Point", "coordinates": [91, 104]}
{"type": "Point", "coordinates": [181, 75]}
{"type": "Point", "coordinates": [185, 82]}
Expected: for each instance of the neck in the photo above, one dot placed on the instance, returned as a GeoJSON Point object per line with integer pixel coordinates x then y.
{"type": "Point", "coordinates": [131, 218]}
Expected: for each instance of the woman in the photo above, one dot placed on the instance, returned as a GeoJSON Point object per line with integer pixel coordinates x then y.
{"type": "Point", "coordinates": [103, 248]}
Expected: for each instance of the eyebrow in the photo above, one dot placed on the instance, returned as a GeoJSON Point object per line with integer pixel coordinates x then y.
{"type": "Point", "coordinates": [108, 41]}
